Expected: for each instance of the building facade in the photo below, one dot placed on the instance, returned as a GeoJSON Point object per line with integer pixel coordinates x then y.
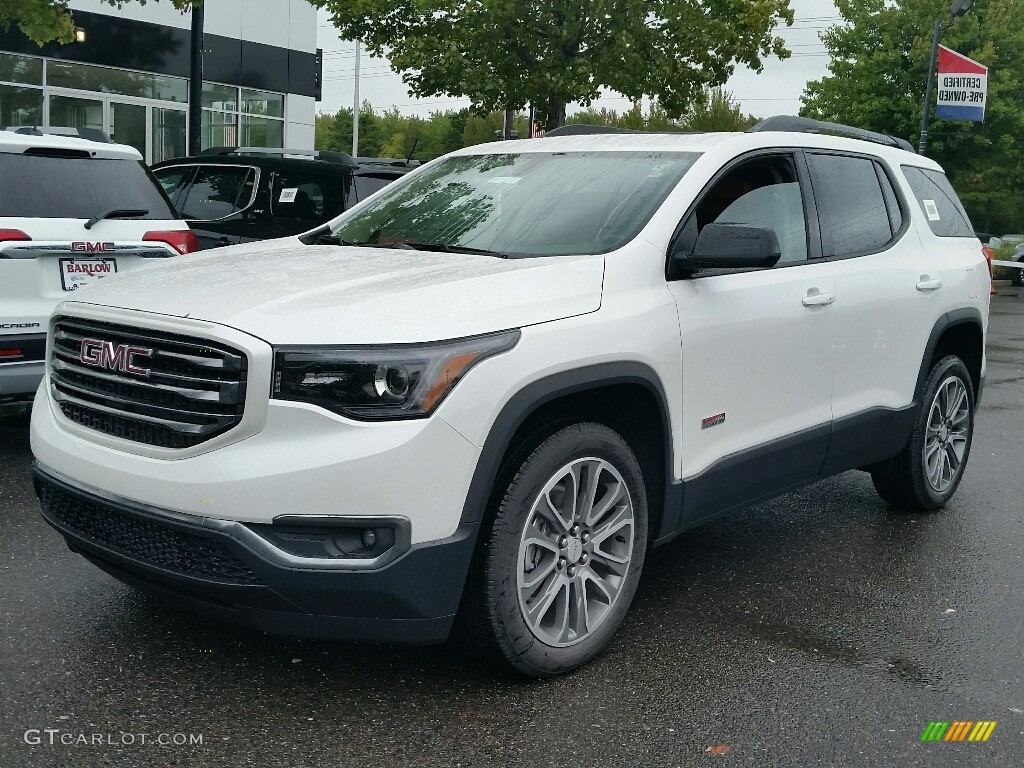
{"type": "Point", "coordinates": [129, 76]}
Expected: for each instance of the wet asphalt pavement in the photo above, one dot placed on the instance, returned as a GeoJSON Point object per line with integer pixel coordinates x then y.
{"type": "Point", "coordinates": [818, 629]}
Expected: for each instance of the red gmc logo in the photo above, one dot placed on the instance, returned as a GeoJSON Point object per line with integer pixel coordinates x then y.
{"type": "Point", "coordinates": [91, 247]}
{"type": "Point", "coordinates": [120, 357]}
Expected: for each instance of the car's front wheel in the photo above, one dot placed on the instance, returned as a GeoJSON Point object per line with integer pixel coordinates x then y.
{"type": "Point", "coordinates": [562, 552]}
{"type": "Point", "coordinates": [927, 472]}
{"type": "Point", "coordinates": [1017, 278]}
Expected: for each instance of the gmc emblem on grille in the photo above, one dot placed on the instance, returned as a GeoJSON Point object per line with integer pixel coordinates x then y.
{"type": "Point", "coordinates": [119, 357]}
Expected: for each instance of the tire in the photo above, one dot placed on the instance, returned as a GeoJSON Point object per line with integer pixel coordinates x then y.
{"type": "Point", "coordinates": [910, 481]}
{"type": "Point", "coordinates": [548, 591]}
{"type": "Point", "coordinates": [1017, 278]}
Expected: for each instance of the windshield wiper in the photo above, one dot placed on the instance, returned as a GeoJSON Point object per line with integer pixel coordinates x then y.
{"type": "Point", "coordinates": [446, 248]}
{"type": "Point", "coordinates": [117, 213]}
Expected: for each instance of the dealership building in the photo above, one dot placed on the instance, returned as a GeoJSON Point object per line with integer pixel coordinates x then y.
{"type": "Point", "coordinates": [128, 75]}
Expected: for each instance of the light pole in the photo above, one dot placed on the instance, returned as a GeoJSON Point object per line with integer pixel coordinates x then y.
{"type": "Point", "coordinates": [195, 83]}
{"type": "Point", "coordinates": [356, 106]}
{"type": "Point", "coordinates": [958, 8]}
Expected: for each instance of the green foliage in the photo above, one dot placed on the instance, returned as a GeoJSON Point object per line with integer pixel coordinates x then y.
{"type": "Point", "coordinates": [507, 54]}
{"type": "Point", "coordinates": [714, 110]}
{"type": "Point", "coordinates": [878, 72]}
{"type": "Point", "coordinates": [44, 21]}
{"type": "Point", "coordinates": [391, 134]}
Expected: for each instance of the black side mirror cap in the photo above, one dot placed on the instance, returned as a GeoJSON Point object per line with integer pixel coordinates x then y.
{"type": "Point", "coordinates": [730, 246]}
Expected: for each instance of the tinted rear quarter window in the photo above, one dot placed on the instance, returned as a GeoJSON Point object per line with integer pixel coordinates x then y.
{"type": "Point", "coordinates": [61, 187]}
{"type": "Point", "coordinates": [852, 210]}
{"type": "Point", "coordinates": [938, 202]}
{"type": "Point", "coordinates": [218, 191]}
{"type": "Point", "coordinates": [366, 184]}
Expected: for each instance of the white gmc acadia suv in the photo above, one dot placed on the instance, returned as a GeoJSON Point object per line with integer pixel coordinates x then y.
{"type": "Point", "coordinates": [491, 387]}
{"type": "Point", "coordinates": [72, 212]}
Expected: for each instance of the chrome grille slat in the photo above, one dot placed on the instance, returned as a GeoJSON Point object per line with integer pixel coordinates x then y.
{"type": "Point", "coordinates": [228, 362]}
{"type": "Point", "coordinates": [223, 391]}
{"type": "Point", "coordinates": [72, 356]}
{"type": "Point", "coordinates": [194, 389]}
{"type": "Point", "coordinates": [179, 426]}
{"type": "Point", "coordinates": [136, 408]}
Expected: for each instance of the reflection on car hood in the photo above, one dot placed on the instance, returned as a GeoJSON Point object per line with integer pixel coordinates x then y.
{"type": "Point", "coordinates": [289, 293]}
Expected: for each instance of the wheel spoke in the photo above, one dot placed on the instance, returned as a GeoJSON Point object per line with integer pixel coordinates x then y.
{"type": "Point", "coordinates": [609, 563]}
{"type": "Point", "coordinates": [557, 516]}
{"type": "Point", "coordinates": [618, 520]}
{"type": "Point", "coordinates": [538, 607]}
{"type": "Point", "coordinates": [579, 619]}
{"type": "Point", "coordinates": [537, 575]}
{"type": "Point", "coordinates": [613, 495]}
{"type": "Point", "coordinates": [589, 478]}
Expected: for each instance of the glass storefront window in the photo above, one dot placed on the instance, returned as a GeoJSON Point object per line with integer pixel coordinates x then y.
{"type": "Point", "coordinates": [169, 139]}
{"type": "Point", "coordinates": [20, 106]}
{"type": "Point", "coordinates": [85, 77]}
{"type": "Point", "coordinates": [76, 113]}
{"type": "Point", "coordinates": [220, 129]}
{"type": "Point", "coordinates": [261, 132]}
{"type": "Point", "coordinates": [220, 97]}
{"type": "Point", "coordinates": [21, 69]}
{"type": "Point", "coordinates": [265, 103]}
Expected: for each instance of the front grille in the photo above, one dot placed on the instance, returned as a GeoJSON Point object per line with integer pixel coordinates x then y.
{"type": "Point", "coordinates": [192, 390]}
{"type": "Point", "coordinates": [143, 540]}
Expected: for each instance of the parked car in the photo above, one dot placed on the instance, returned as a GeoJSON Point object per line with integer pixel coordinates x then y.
{"type": "Point", "coordinates": [73, 211]}
{"type": "Point", "coordinates": [492, 387]}
{"type": "Point", "coordinates": [232, 195]}
{"type": "Point", "coordinates": [1018, 274]}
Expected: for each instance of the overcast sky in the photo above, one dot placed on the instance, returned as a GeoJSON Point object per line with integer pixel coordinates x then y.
{"type": "Point", "coordinates": [775, 91]}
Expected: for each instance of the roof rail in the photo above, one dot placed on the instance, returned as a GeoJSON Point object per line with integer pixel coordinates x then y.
{"type": "Point", "coordinates": [585, 130]}
{"type": "Point", "coordinates": [790, 124]}
{"type": "Point", "coordinates": [362, 160]}
{"type": "Point", "coordinates": [314, 154]}
{"type": "Point", "coordinates": [91, 134]}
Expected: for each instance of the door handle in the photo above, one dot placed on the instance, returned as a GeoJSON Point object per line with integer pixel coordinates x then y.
{"type": "Point", "coordinates": [818, 299]}
{"type": "Point", "coordinates": [928, 284]}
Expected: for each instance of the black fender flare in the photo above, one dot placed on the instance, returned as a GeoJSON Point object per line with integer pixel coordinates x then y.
{"type": "Point", "coordinates": [963, 316]}
{"type": "Point", "coordinates": [536, 394]}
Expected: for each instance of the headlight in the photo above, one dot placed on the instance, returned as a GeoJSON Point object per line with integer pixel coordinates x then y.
{"type": "Point", "coordinates": [396, 382]}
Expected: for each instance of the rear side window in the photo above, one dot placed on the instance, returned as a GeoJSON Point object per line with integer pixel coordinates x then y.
{"type": "Point", "coordinates": [172, 179]}
{"type": "Point", "coordinates": [217, 192]}
{"type": "Point", "coordinates": [58, 187]}
{"type": "Point", "coordinates": [299, 197]}
{"type": "Point", "coordinates": [939, 203]}
{"type": "Point", "coordinates": [852, 209]}
{"type": "Point", "coordinates": [366, 185]}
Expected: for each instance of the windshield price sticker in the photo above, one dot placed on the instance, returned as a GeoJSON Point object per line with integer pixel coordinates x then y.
{"type": "Point", "coordinates": [288, 195]}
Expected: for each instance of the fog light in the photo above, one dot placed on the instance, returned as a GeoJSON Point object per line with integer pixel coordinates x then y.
{"type": "Point", "coordinates": [369, 538]}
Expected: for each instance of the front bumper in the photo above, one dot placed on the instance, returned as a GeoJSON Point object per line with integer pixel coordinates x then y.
{"type": "Point", "coordinates": [214, 568]}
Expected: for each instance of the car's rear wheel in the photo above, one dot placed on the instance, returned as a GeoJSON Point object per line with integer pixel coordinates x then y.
{"type": "Point", "coordinates": [927, 472]}
{"type": "Point", "coordinates": [562, 553]}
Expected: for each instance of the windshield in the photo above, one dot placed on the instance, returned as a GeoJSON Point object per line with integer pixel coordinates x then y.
{"type": "Point", "coordinates": [530, 204]}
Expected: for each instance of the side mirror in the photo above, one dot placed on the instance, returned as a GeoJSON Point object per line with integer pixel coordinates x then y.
{"type": "Point", "coordinates": [730, 246]}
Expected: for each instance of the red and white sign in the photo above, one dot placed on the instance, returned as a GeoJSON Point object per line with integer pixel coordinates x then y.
{"type": "Point", "coordinates": [963, 87]}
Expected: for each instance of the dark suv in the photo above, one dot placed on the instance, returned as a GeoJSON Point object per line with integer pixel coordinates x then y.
{"type": "Point", "coordinates": [233, 195]}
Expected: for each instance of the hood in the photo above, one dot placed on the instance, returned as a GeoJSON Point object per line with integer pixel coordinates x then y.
{"type": "Point", "coordinates": [288, 293]}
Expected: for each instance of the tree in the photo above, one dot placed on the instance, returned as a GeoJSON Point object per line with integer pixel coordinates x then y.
{"type": "Point", "coordinates": [43, 21]}
{"type": "Point", "coordinates": [507, 54]}
{"type": "Point", "coordinates": [879, 67]}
